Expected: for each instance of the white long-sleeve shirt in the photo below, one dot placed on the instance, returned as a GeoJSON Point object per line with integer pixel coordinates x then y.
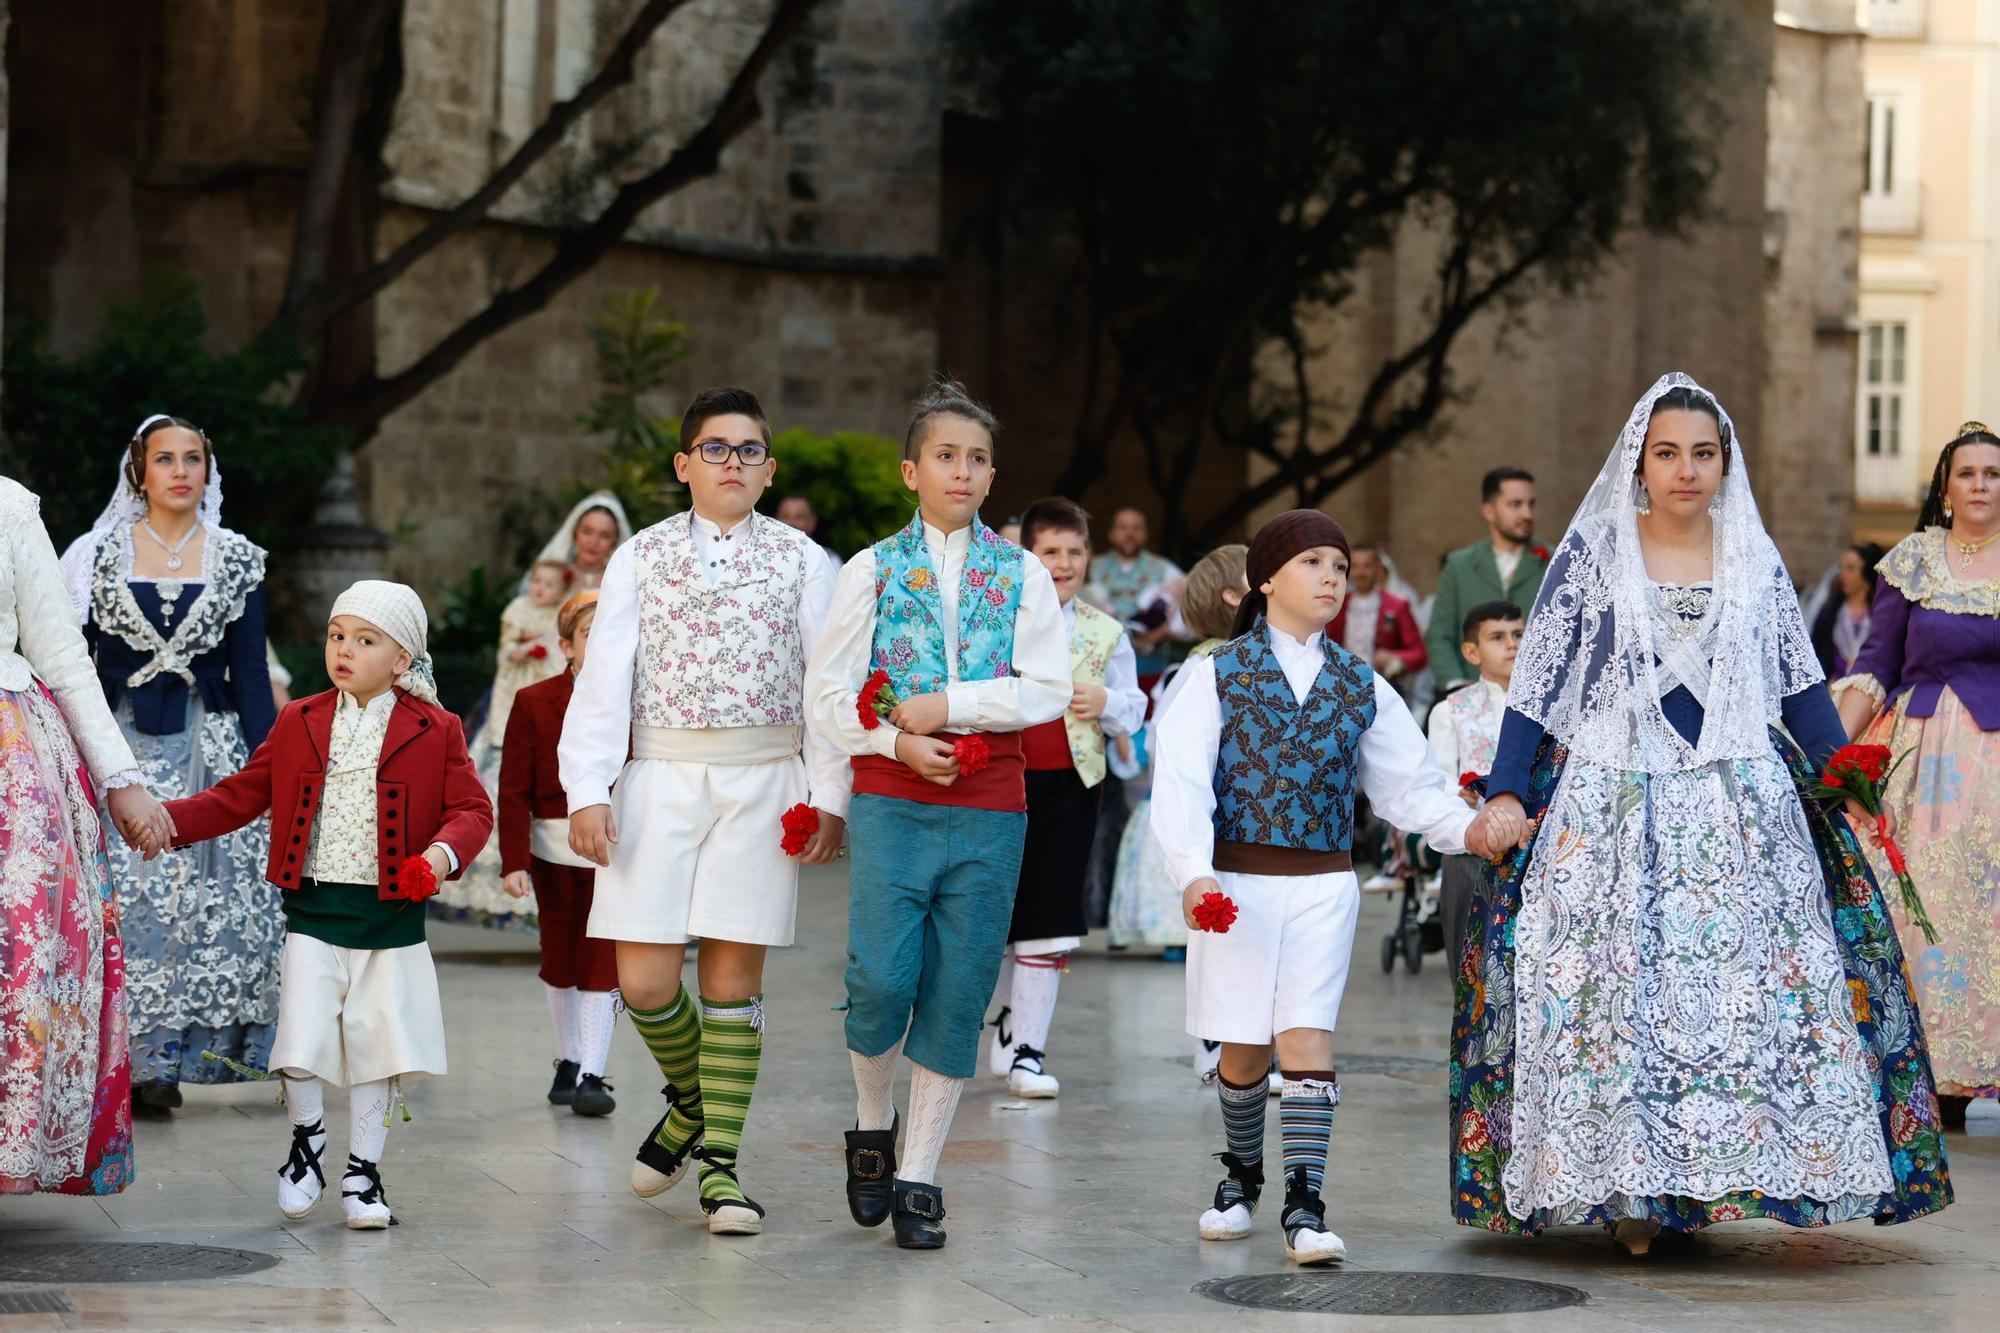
{"type": "Point", "coordinates": [1124, 702]}
{"type": "Point", "coordinates": [597, 730]}
{"type": "Point", "coordinates": [1402, 781]}
{"type": "Point", "coordinates": [1037, 692]}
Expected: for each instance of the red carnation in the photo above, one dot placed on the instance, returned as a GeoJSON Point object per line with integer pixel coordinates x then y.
{"type": "Point", "coordinates": [1859, 773]}
{"type": "Point", "coordinates": [1215, 912]}
{"type": "Point", "coordinates": [1467, 779]}
{"type": "Point", "coordinates": [973, 754]}
{"type": "Point", "coordinates": [416, 880]}
{"type": "Point", "coordinates": [539, 651]}
{"type": "Point", "coordinates": [1539, 552]}
{"type": "Point", "coordinates": [1870, 761]}
{"type": "Point", "coordinates": [800, 823]}
{"type": "Point", "coordinates": [877, 701]}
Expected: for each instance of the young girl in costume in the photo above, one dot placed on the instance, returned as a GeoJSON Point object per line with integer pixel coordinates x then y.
{"type": "Point", "coordinates": [1261, 753]}
{"type": "Point", "coordinates": [373, 801]}
{"type": "Point", "coordinates": [580, 974]}
{"type": "Point", "coordinates": [696, 670]}
{"type": "Point", "coordinates": [1066, 761]}
{"type": "Point", "coordinates": [962, 637]}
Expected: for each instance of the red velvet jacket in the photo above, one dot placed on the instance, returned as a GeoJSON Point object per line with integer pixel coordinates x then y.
{"type": "Point", "coordinates": [426, 790]}
{"type": "Point", "coordinates": [530, 782]}
{"type": "Point", "coordinates": [1396, 632]}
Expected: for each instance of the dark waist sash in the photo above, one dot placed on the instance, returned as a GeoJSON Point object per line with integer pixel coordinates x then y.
{"type": "Point", "coordinates": [1254, 858]}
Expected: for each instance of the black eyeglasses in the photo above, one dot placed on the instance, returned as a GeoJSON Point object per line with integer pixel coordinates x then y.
{"type": "Point", "coordinates": [751, 453]}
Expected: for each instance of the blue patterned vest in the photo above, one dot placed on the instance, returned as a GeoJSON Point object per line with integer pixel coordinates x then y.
{"type": "Point", "coordinates": [1285, 772]}
{"type": "Point", "coordinates": [909, 612]}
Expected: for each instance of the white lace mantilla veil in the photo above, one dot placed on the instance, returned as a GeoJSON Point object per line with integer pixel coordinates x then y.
{"type": "Point", "coordinates": [125, 508]}
{"type": "Point", "coordinates": [560, 547]}
{"type": "Point", "coordinates": [1587, 670]}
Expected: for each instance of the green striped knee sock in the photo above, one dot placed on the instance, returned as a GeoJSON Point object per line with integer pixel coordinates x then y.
{"type": "Point", "coordinates": [732, 1045]}
{"type": "Point", "coordinates": [673, 1034]}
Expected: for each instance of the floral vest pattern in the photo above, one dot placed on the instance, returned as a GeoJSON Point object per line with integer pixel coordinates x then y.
{"type": "Point", "coordinates": [909, 611]}
{"type": "Point", "coordinates": [721, 655]}
{"type": "Point", "coordinates": [1285, 772]}
{"type": "Point", "coordinates": [1091, 644]}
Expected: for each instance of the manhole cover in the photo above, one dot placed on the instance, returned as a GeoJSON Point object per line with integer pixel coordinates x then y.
{"type": "Point", "coordinates": [64, 1264]}
{"type": "Point", "coordinates": [1389, 1293]}
{"type": "Point", "coordinates": [33, 1302]}
{"type": "Point", "coordinates": [1364, 1064]}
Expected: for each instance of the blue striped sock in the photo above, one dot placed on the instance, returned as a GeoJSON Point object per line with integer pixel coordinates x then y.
{"type": "Point", "coordinates": [1305, 1121]}
{"type": "Point", "coordinates": [1243, 1129]}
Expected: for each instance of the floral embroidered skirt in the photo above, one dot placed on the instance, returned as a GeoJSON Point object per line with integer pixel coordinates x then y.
{"type": "Point", "coordinates": [1946, 796]}
{"type": "Point", "coordinates": [1145, 902]}
{"type": "Point", "coordinates": [1667, 1014]}
{"type": "Point", "coordinates": [204, 930]}
{"type": "Point", "coordinates": [64, 1055]}
{"type": "Point", "coordinates": [475, 897]}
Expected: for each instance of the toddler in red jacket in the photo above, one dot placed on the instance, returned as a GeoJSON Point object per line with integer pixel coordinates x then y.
{"type": "Point", "coordinates": [372, 801]}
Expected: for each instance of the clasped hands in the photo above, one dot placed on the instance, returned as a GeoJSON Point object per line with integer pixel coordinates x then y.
{"type": "Point", "coordinates": [142, 821]}
{"type": "Point", "coordinates": [1500, 826]}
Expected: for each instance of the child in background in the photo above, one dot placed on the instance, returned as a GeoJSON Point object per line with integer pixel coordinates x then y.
{"type": "Point", "coordinates": [579, 973]}
{"type": "Point", "coordinates": [529, 652]}
{"type": "Point", "coordinates": [1465, 733]}
{"type": "Point", "coordinates": [373, 802]}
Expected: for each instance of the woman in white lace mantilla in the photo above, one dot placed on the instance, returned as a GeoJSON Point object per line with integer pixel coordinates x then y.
{"type": "Point", "coordinates": [1682, 1001]}
{"type": "Point", "coordinates": [172, 605]}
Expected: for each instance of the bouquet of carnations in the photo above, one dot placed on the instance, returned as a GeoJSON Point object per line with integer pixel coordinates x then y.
{"type": "Point", "coordinates": [878, 700]}
{"type": "Point", "coordinates": [799, 824]}
{"type": "Point", "coordinates": [1859, 773]}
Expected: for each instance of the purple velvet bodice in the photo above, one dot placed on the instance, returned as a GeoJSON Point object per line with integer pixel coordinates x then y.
{"type": "Point", "coordinates": [1917, 650]}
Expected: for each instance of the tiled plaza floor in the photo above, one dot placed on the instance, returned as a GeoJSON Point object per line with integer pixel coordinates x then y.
{"type": "Point", "coordinates": [1073, 1214]}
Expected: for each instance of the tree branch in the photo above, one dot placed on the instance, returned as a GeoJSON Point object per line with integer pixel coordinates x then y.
{"type": "Point", "coordinates": [699, 157]}
{"type": "Point", "coordinates": [310, 313]}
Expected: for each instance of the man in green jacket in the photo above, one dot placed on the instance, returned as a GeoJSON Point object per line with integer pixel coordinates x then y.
{"type": "Point", "coordinates": [1506, 567]}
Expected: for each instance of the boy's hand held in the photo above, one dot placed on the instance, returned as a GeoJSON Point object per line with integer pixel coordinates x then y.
{"type": "Point", "coordinates": [516, 883]}
{"type": "Point", "coordinates": [1192, 895]}
{"type": "Point", "coordinates": [825, 842]}
{"type": "Point", "coordinates": [593, 833]}
{"type": "Point", "coordinates": [928, 757]}
{"type": "Point", "coordinates": [922, 714]}
{"type": "Point", "coordinates": [1087, 701]}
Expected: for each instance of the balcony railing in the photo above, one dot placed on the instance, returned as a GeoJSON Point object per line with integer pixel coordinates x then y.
{"type": "Point", "coordinates": [1898, 214]}
{"type": "Point", "coordinates": [1899, 19]}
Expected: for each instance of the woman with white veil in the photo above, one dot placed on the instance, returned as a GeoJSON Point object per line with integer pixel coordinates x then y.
{"type": "Point", "coordinates": [595, 526]}
{"type": "Point", "coordinates": [172, 606]}
{"type": "Point", "coordinates": [1682, 1001]}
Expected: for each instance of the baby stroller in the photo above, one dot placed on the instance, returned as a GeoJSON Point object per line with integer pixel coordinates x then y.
{"type": "Point", "coordinates": [1419, 924]}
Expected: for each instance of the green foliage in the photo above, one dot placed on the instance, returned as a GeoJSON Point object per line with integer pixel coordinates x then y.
{"type": "Point", "coordinates": [68, 418]}
{"type": "Point", "coordinates": [636, 347]}
{"type": "Point", "coordinates": [855, 483]}
{"type": "Point", "coordinates": [465, 638]}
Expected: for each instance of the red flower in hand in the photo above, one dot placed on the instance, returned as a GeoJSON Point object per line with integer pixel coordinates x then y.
{"type": "Point", "coordinates": [1539, 552]}
{"type": "Point", "coordinates": [1868, 761]}
{"type": "Point", "coordinates": [1467, 779]}
{"type": "Point", "coordinates": [1215, 912]}
{"type": "Point", "coordinates": [539, 651]}
{"type": "Point", "coordinates": [877, 701]}
{"type": "Point", "coordinates": [416, 880]}
{"type": "Point", "coordinates": [800, 823]}
{"type": "Point", "coordinates": [973, 754]}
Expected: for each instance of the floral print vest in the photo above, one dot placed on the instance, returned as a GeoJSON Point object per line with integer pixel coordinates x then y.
{"type": "Point", "coordinates": [1091, 644]}
{"type": "Point", "coordinates": [909, 611]}
{"type": "Point", "coordinates": [1285, 772]}
{"type": "Point", "coordinates": [721, 655]}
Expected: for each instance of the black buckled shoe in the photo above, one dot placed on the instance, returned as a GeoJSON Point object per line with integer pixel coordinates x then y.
{"type": "Point", "coordinates": [919, 1216]}
{"type": "Point", "coordinates": [563, 1090]}
{"type": "Point", "coordinates": [655, 1169]}
{"type": "Point", "coordinates": [593, 1096]}
{"type": "Point", "coordinates": [871, 1172]}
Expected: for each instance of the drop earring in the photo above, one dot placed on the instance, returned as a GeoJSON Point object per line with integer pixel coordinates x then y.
{"type": "Point", "coordinates": [1642, 499]}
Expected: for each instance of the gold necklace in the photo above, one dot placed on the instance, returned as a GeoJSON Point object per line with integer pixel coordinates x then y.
{"type": "Point", "coordinates": [1967, 551]}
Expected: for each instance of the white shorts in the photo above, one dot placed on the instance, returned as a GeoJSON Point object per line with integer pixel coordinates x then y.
{"type": "Point", "coordinates": [1283, 964]}
{"type": "Point", "coordinates": [698, 853]}
{"type": "Point", "coordinates": [356, 1015]}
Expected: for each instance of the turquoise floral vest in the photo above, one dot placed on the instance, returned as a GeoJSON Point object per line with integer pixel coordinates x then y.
{"type": "Point", "coordinates": [1285, 772]}
{"type": "Point", "coordinates": [909, 612]}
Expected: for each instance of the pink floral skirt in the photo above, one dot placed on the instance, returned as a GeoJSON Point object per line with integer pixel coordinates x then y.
{"type": "Point", "coordinates": [65, 1053]}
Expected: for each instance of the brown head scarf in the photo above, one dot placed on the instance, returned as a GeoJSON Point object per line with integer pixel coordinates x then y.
{"type": "Point", "coordinates": [1277, 542]}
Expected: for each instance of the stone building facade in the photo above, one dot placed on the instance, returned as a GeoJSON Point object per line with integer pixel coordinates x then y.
{"type": "Point", "coordinates": [825, 266]}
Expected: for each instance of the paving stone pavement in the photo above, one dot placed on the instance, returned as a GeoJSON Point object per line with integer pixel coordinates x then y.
{"type": "Point", "coordinates": [1065, 1215]}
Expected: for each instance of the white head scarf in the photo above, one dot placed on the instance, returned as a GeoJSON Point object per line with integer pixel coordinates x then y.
{"type": "Point", "coordinates": [126, 507]}
{"type": "Point", "coordinates": [562, 545]}
{"type": "Point", "coordinates": [396, 610]}
{"type": "Point", "coordinates": [1598, 655]}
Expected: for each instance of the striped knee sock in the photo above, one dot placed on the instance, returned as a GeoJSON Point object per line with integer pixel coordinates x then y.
{"type": "Point", "coordinates": [732, 1044]}
{"type": "Point", "coordinates": [1243, 1129]}
{"type": "Point", "coordinates": [673, 1034]}
{"type": "Point", "coordinates": [1305, 1120]}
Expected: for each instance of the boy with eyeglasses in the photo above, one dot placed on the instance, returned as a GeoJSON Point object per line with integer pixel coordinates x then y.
{"type": "Point", "coordinates": [696, 669]}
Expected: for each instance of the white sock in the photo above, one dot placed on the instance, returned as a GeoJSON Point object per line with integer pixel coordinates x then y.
{"type": "Point", "coordinates": [875, 1088]}
{"type": "Point", "coordinates": [596, 1015]}
{"type": "Point", "coordinates": [1036, 980]}
{"type": "Point", "coordinates": [368, 1114]}
{"type": "Point", "coordinates": [305, 1099]}
{"type": "Point", "coordinates": [933, 1101]}
{"type": "Point", "coordinates": [1003, 990]}
{"type": "Point", "coordinates": [562, 1013]}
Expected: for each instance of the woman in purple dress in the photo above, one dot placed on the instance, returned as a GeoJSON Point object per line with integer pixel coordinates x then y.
{"type": "Point", "coordinates": [1841, 626]}
{"type": "Point", "coordinates": [1928, 684]}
